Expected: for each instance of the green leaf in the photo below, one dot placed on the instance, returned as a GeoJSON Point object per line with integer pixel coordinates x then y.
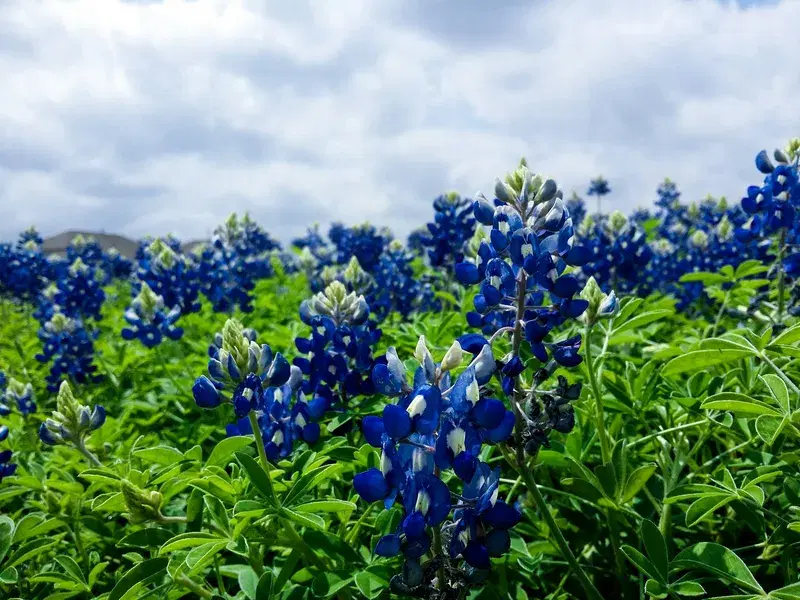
{"type": "Point", "coordinates": [6, 535]}
{"type": "Point", "coordinates": [95, 573]}
{"type": "Point", "coordinates": [326, 585]}
{"type": "Point", "coordinates": [637, 480]}
{"type": "Point", "coordinates": [259, 478]}
{"type": "Point", "coordinates": [9, 576]}
{"type": "Point", "coordinates": [788, 337]}
{"type": "Point", "coordinates": [190, 539]}
{"type": "Point", "coordinates": [71, 568]}
{"type": "Point", "coordinates": [656, 549]}
{"type": "Point", "coordinates": [306, 520]}
{"type": "Point", "coordinates": [28, 550]}
{"type": "Point", "coordinates": [641, 320]}
{"type": "Point", "coordinates": [739, 404]}
{"type": "Point", "coordinates": [248, 582]}
{"type": "Point", "coordinates": [640, 560]}
{"type": "Point", "coordinates": [331, 505]}
{"type": "Point", "coordinates": [202, 556]}
{"type": "Point", "coordinates": [137, 577]}
{"type": "Point", "coordinates": [656, 589]}
{"type": "Point", "coordinates": [769, 427]}
{"type": "Point", "coordinates": [705, 506]}
{"type": "Point", "coordinates": [266, 590]}
{"type": "Point", "coordinates": [749, 268]}
{"type": "Point", "coordinates": [702, 359]}
{"type": "Point", "coordinates": [688, 588]}
{"type": "Point", "coordinates": [149, 537]}
{"type": "Point", "coordinates": [217, 512]}
{"type": "Point", "coordinates": [223, 451]}
{"type": "Point", "coordinates": [703, 277]}
{"type": "Point", "coordinates": [719, 561]}
{"type": "Point", "coordinates": [777, 387]}
{"type": "Point", "coordinates": [309, 481]}
{"type": "Point", "coordinates": [160, 455]}
{"type": "Point", "coordinates": [370, 584]}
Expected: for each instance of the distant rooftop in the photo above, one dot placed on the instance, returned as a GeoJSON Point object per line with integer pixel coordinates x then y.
{"type": "Point", "coordinates": [57, 244]}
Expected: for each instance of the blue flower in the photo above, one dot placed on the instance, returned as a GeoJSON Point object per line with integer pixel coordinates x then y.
{"type": "Point", "coordinates": [148, 319]}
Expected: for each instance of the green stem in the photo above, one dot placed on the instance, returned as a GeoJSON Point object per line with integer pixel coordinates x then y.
{"type": "Point", "coordinates": [300, 543]}
{"type": "Point", "coordinates": [220, 582]}
{"type": "Point", "coordinates": [600, 422]}
{"type": "Point", "coordinates": [81, 446]}
{"type": "Point", "coordinates": [653, 436]}
{"type": "Point", "coordinates": [561, 542]}
{"type": "Point", "coordinates": [720, 313]}
{"type": "Point", "coordinates": [195, 587]}
{"type": "Point", "coordinates": [522, 468]}
{"type": "Point", "coordinates": [262, 453]}
{"type": "Point", "coordinates": [76, 535]}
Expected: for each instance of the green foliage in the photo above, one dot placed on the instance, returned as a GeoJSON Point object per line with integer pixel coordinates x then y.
{"type": "Point", "coordinates": [698, 494]}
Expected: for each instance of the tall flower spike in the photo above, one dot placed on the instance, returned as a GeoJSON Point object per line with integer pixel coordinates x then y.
{"type": "Point", "coordinates": [237, 363]}
{"type": "Point", "coordinates": [21, 394]}
{"type": "Point", "coordinates": [148, 319]}
{"type": "Point", "coordinates": [72, 422]}
{"type": "Point", "coordinates": [435, 425]}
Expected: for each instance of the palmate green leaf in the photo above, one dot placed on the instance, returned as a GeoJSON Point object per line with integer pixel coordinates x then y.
{"type": "Point", "coordinates": [224, 450]}
{"type": "Point", "coordinates": [95, 573]}
{"type": "Point", "coordinates": [190, 539]}
{"type": "Point", "coordinates": [787, 337]}
{"type": "Point", "coordinates": [71, 568]}
{"type": "Point", "coordinates": [641, 561]}
{"type": "Point", "coordinates": [138, 576]}
{"type": "Point", "coordinates": [326, 585]}
{"type": "Point", "coordinates": [688, 588]}
{"type": "Point", "coordinates": [656, 589]}
{"type": "Point", "coordinates": [266, 589]}
{"type": "Point", "coordinates": [202, 556]}
{"type": "Point", "coordinates": [6, 535]}
{"type": "Point", "coordinates": [217, 513]}
{"type": "Point", "coordinates": [160, 455]}
{"type": "Point", "coordinates": [330, 505]}
{"type": "Point", "coordinates": [149, 537]}
{"type": "Point", "coordinates": [304, 519]}
{"type": "Point", "coordinates": [769, 427]}
{"type": "Point", "coordinates": [9, 576]}
{"type": "Point", "coordinates": [29, 550]}
{"type": "Point", "coordinates": [778, 390]}
{"type": "Point", "coordinates": [749, 268]}
{"type": "Point", "coordinates": [704, 277]}
{"type": "Point", "coordinates": [310, 480]}
{"type": "Point", "coordinates": [258, 477]}
{"type": "Point", "coordinates": [706, 506]}
{"type": "Point", "coordinates": [370, 584]}
{"type": "Point", "coordinates": [656, 549]}
{"type": "Point", "coordinates": [789, 592]}
{"type": "Point", "coordinates": [739, 404]}
{"type": "Point", "coordinates": [640, 321]}
{"type": "Point", "coordinates": [719, 561]}
{"type": "Point", "coordinates": [702, 359]}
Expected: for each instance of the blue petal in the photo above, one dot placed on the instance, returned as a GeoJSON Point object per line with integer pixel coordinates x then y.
{"type": "Point", "coordinates": [205, 394]}
{"type": "Point", "coordinates": [388, 545]}
{"type": "Point", "coordinates": [501, 516]}
{"type": "Point", "coordinates": [373, 430]}
{"type": "Point", "coordinates": [371, 485]}
{"type": "Point", "coordinates": [396, 422]}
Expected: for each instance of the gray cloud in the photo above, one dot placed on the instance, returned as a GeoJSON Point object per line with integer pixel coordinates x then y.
{"type": "Point", "coordinates": [143, 117]}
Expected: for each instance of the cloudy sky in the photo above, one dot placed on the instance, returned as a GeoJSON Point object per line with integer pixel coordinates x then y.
{"type": "Point", "coordinates": [143, 117]}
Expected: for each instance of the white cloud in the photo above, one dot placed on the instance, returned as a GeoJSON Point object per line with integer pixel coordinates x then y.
{"type": "Point", "coordinates": [148, 117]}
